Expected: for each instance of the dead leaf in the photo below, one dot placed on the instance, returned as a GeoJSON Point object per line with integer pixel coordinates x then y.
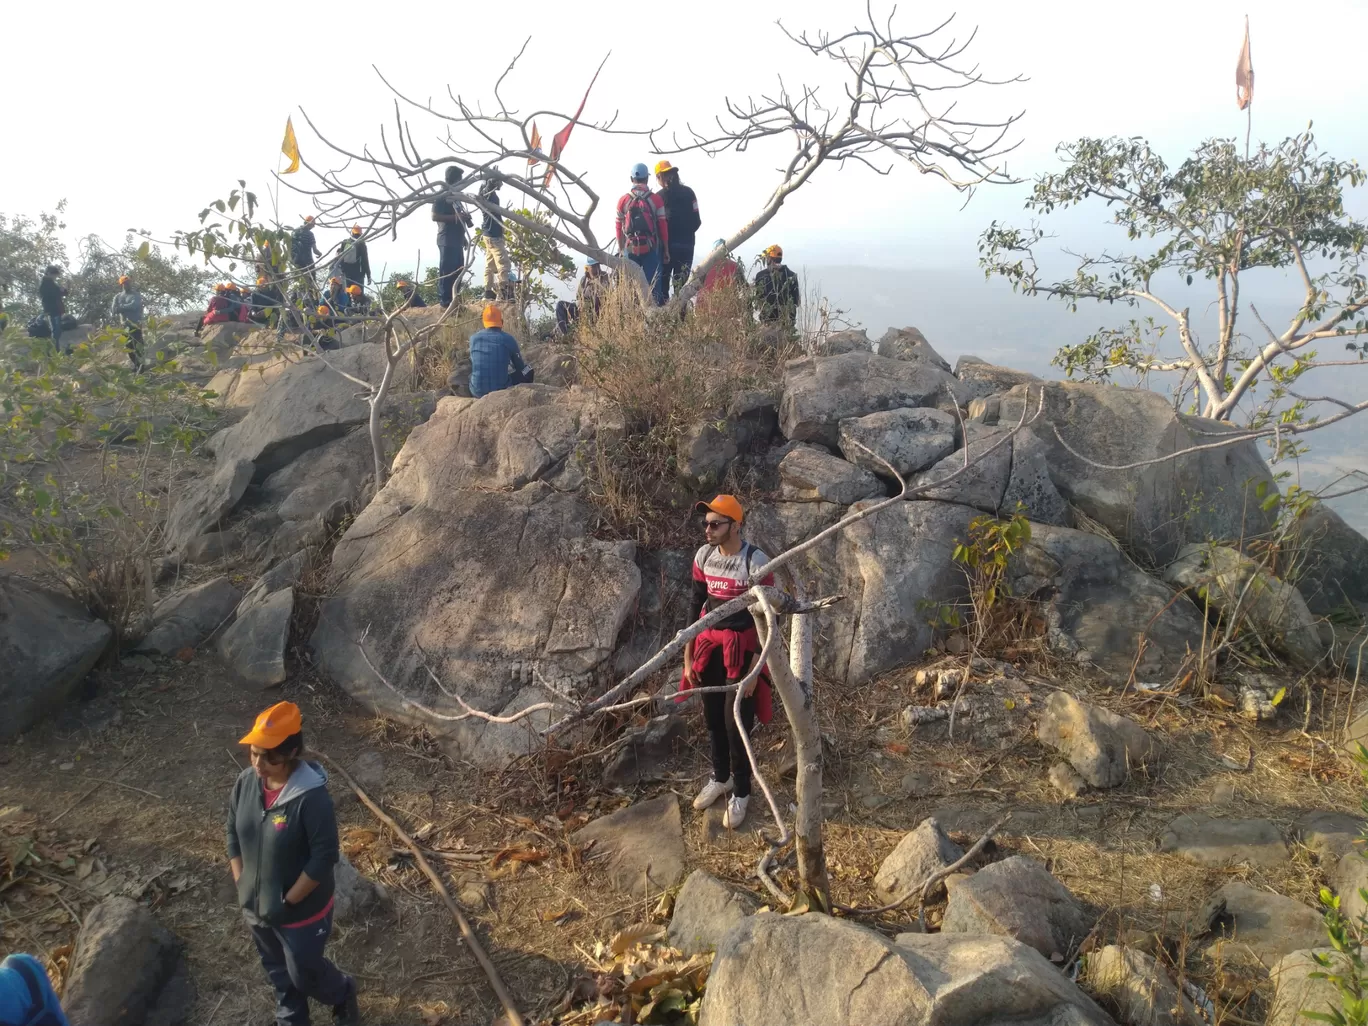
{"type": "Point", "coordinates": [84, 868]}
{"type": "Point", "coordinates": [185, 655]}
{"type": "Point", "coordinates": [424, 831]}
{"type": "Point", "coordinates": [562, 917]}
{"type": "Point", "coordinates": [631, 936]}
{"type": "Point", "coordinates": [897, 748]}
{"type": "Point", "coordinates": [518, 854]}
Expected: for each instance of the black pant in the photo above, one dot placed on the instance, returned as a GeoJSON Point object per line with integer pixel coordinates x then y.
{"type": "Point", "coordinates": [728, 753]}
{"type": "Point", "coordinates": [681, 265]}
{"type": "Point", "coordinates": [293, 959]}
{"type": "Point", "coordinates": [450, 265]}
{"type": "Point", "coordinates": [567, 313]}
{"type": "Point", "coordinates": [133, 342]}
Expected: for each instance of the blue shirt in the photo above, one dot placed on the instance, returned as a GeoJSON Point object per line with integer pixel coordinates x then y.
{"type": "Point", "coordinates": [16, 1004]}
{"type": "Point", "coordinates": [492, 350]}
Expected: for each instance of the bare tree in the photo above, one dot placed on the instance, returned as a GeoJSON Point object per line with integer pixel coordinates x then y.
{"type": "Point", "coordinates": [896, 106]}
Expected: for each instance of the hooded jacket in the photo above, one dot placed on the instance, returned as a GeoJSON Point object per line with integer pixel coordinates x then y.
{"type": "Point", "coordinates": [298, 834]}
{"type": "Point", "coordinates": [127, 306]}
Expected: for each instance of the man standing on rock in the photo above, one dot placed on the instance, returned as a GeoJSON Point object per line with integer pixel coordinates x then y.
{"type": "Point", "coordinates": [493, 352]}
{"type": "Point", "coordinates": [496, 246]}
{"type": "Point", "coordinates": [643, 232]}
{"type": "Point", "coordinates": [452, 222]}
{"type": "Point", "coordinates": [53, 298]}
{"type": "Point", "coordinates": [304, 249]}
{"type": "Point", "coordinates": [724, 568]}
{"type": "Point", "coordinates": [682, 205]}
{"type": "Point", "coordinates": [777, 293]}
{"type": "Point", "coordinates": [354, 259]}
{"type": "Point", "coordinates": [126, 310]}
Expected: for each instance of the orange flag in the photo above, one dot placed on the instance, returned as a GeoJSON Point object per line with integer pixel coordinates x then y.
{"type": "Point", "coordinates": [1244, 73]}
{"type": "Point", "coordinates": [562, 137]}
{"type": "Point", "coordinates": [535, 145]}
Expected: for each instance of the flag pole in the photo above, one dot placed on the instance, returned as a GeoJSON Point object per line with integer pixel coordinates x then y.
{"type": "Point", "coordinates": [1249, 107]}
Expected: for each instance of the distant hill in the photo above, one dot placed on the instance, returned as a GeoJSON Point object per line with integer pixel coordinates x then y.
{"type": "Point", "coordinates": [961, 313]}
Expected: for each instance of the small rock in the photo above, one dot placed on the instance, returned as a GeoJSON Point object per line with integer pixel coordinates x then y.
{"type": "Point", "coordinates": [1350, 877]}
{"type": "Point", "coordinates": [211, 547]}
{"type": "Point", "coordinates": [1101, 745]}
{"type": "Point", "coordinates": [1067, 780]}
{"type": "Point", "coordinates": [253, 647]}
{"type": "Point", "coordinates": [1222, 792]}
{"type": "Point", "coordinates": [909, 439]}
{"type": "Point", "coordinates": [1268, 926]}
{"type": "Point", "coordinates": [1018, 898]}
{"type": "Point", "coordinates": [1331, 835]}
{"type": "Point", "coordinates": [369, 772]}
{"type": "Point", "coordinates": [1142, 990]}
{"type": "Point", "coordinates": [475, 892]}
{"type": "Point", "coordinates": [1214, 841]}
{"type": "Point", "coordinates": [916, 782]}
{"type": "Point", "coordinates": [355, 896]}
{"type": "Point", "coordinates": [123, 963]}
{"type": "Point", "coordinates": [809, 475]}
{"type": "Point", "coordinates": [920, 853]}
{"type": "Point", "coordinates": [1295, 992]}
{"type": "Point", "coordinates": [643, 759]}
{"type": "Point", "coordinates": [186, 618]}
{"type": "Point", "coordinates": [641, 846]}
{"type": "Point", "coordinates": [704, 911]}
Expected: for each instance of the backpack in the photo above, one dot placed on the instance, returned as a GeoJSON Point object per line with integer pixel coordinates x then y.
{"type": "Point", "coordinates": [40, 327]}
{"type": "Point", "coordinates": [351, 254]}
{"type": "Point", "coordinates": [642, 231]}
{"type": "Point", "coordinates": [301, 247]}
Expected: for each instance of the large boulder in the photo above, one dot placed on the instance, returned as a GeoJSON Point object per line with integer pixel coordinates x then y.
{"type": "Point", "coordinates": [253, 646]}
{"type": "Point", "coordinates": [1297, 988]}
{"type": "Point", "coordinates": [1099, 608]}
{"type": "Point", "coordinates": [814, 970]}
{"type": "Point", "coordinates": [347, 462]}
{"type": "Point", "coordinates": [810, 475]}
{"type": "Point", "coordinates": [297, 403]}
{"type": "Point", "coordinates": [984, 379]}
{"type": "Point", "coordinates": [1154, 509]}
{"type": "Point", "coordinates": [822, 391]}
{"type": "Point", "coordinates": [123, 970]}
{"type": "Point", "coordinates": [911, 345]}
{"type": "Point", "coordinates": [1222, 841]}
{"type": "Point", "coordinates": [1007, 476]}
{"type": "Point", "coordinates": [1141, 989]}
{"type": "Point", "coordinates": [1334, 561]}
{"type": "Point", "coordinates": [189, 616]}
{"type": "Point", "coordinates": [48, 643]}
{"type": "Point", "coordinates": [1018, 898]}
{"type": "Point", "coordinates": [909, 439]}
{"type": "Point", "coordinates": [1236, 585]}
{"type": "Point", "coordinates": [207, 501]}
{"type": "Point", "coordinates": [475, 561]}
{"type": "Point", "coordinates": [641, 846]}
{"type": "Point", "coordinates": [1101, 745]}
{"type": "Point", "coordinates": [705, 911]}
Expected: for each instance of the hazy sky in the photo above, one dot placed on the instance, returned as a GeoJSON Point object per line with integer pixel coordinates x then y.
{"type": "Point", "coordinates": [144, 111]}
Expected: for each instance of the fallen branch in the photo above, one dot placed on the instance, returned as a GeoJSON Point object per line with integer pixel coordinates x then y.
{"type": "Point", "coordinates": [514, 1017]}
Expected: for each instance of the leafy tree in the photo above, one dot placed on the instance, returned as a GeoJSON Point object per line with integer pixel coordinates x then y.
{"type": "Point", "coordinates": [1217, 217]}
{"type": "Point", "coordinates": [536, 256]}
{"type": "Point", "coordinates": [26, 247]}
{"type": "Point", "coordinates": [166, 284]}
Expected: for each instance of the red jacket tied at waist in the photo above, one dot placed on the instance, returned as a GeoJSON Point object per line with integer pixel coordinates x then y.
{"type": "Point", "coordinates": [737, 647]}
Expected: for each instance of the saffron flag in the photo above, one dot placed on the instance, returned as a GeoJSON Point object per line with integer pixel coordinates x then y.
{"type": "Point", "coordinates": [1244, 73]}
{"type": "Point", "coordinates": [290, 147]}
{"type": "Point", "coordinates": [535, 145]}
{"type": "Point", "coordinates": [559, 140]}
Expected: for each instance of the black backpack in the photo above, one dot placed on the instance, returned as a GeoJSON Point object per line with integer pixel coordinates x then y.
{"type": "Point", "coordinates": [40, 327]}
{"type": "Point", "coordinates": [301, 247]}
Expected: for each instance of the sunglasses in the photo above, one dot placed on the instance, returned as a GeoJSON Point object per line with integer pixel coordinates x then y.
{"type": "Point", "coordinates": [715, 525]}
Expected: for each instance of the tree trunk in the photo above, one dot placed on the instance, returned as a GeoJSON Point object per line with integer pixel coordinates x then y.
{"type": "Point", "coordinates": [377, 403]}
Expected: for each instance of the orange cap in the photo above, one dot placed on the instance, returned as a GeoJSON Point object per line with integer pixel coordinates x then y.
{"type": "Point", "coordinates": [123, 279]}
{"type": "Point", "coordinates": [725, 505]}
{"type": "Point", "coordinates": [664, 166]}
{"type": "Point", "coordinates": [356, 229]}
{"type": "Point", "coordinates": [308, 218]}
{"type": "Point", "coordinates": [401, 284]}
{"type": "Point", "coordinates": [493, 316]}
{"type": "Point", "coordinates": [274, 725]}
{"type": "Point", "coordinates": [353, 290]}
{"type": "Point", "coordinates": [261, 280]}
{"type": "Point", "coordinates": [775, 253]}
{"type": "Point", "coordinates": [322, 310]}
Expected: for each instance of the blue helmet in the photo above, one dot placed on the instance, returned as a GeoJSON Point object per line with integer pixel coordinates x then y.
{"type": "Point", "coordinates": [720, 244]}
{"type": "Point", "coordinates": [590, 262]}
{"type": "Point", "coordinates": [640, 173]}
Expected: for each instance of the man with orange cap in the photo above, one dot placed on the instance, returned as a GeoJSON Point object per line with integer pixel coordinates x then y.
{"type": "Point", "coordinates": [304, 248]}
{"type": "Point", "coordinates": [126, 311]}
{"type": "Point", "coordinates": [682, 205]}
{"type": "Point", "coordinates": [496, 362]}
{"type": "Point", "coordinates": [410, 294]}
{"type": "Point", "coordinates": [282, 849]}
{"type": "Point", "coordinates": [777, 293]}
{"type": "Point", "coordinates": [724, 568]}
{"type": "Point", "coordinates": [354, 259]}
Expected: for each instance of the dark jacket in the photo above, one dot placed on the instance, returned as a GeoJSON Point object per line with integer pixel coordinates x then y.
{"type": "Point", "coordinates": [684, 220]}
{"type": "Point", "coordinates": [302, 246]}
{"type": "Point", "coordinates": [51, 294]}
{"type": "Point", "coordinates": [296, 835]}
{"type": "Point", "coordinates": [354, 260]}
{"type": "Point", "coordinates": [416, 302]}
{"type": "Point", "coordinates": [493, 225]}
{"type": "Point", "coordinates": [777, 294]}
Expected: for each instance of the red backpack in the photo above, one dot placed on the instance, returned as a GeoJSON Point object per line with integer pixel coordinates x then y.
{"type": "Point", "coordinates": [642, 229]}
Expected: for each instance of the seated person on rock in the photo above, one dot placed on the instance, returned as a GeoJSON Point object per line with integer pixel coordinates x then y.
{"type": "Point", "coordinates": [408, 293]}
{"type": "Point", "coordinates": [220, 310]}
{"type": "Point", "coordinates": [358, 303]}
{"type": "Point", "coordinates": [588, 298]}
{"type": "Point", "coordinates": [266, 302]}
{"type": "Point", "coordinates": [496, 362]}
{"type": "Point", "coordinates": [336, 296]}
{"type": "Point", "coordinates": [322, 325]}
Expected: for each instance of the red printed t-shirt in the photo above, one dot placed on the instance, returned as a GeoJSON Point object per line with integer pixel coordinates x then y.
{"type": "Point", "coordinates": [719, 578]}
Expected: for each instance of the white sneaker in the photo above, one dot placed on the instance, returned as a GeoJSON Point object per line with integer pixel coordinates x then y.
{"type": "Point", "coordinates": [736, 812]}
{"type": "Point", "coordinates": [712, 791]}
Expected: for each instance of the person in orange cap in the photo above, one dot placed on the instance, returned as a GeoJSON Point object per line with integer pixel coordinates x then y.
{"type": "Point", "coordinates": [777, 292]}
{"type": "Point", "coordinates": [410, 294]}
{"type": "Point", "coordinates": [354, 259]}
{"type": "Point", "coordinates": [682, 205]}
{"type": "Point", "coordinates": [126, 312]}
{"type": "Point", "coordinates": [496, 362]}
{"type": "Point", "coordinates": [724, 568]}
{"type": "Point", "coordinates": [282, 848]}
{"type": "Point", "coordinates": [304, 248]}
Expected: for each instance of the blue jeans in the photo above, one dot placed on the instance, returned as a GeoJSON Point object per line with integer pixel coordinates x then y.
{"type": "Point", "coordinates": [650, 266]}
{"type": "Point", "coordinates": [293, 959]}
{"type": "Point", "coordinates": [450, 265]}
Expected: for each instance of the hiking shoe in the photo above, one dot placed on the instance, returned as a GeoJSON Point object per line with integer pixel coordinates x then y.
{"type": "Point", "coordinates": [712, 791]}
{"type": "Point", "coordinates": [736, 812]}
{"type": "Point", "coordinates": [347, 1013]}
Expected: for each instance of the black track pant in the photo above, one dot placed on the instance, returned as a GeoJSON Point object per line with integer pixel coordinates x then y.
{"type": "Point", "coordinates": [728, 753]}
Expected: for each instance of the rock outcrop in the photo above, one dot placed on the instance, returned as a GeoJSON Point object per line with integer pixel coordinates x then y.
{"type": "Point", "coordinates": [127, 970]}
{"type": "Point", "coordinates": [1102, 746]}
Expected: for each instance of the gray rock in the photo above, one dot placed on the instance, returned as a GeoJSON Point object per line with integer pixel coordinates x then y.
{"type": "Point", "coordinates": [1236, 585]}
{"type": "Point", "coordinates": [291, 538]}
{"type": "Point", "coordinates": [285, 574]}
{"type": "Point", "coordinates": [705, 911]}
{"type": "Point", "coordinates": [814, 970]}
{"type": "Point", "coordinates": [754, 418]}
{"type": "Point", "coordinates": [368, 770]}
{"type": "Point", "coordinates": [985, 379]}
{"type": "Point", "coordinates": [1067, 780]}
{"type": "Point", "coordinates": [357, 897]}
{"type": "Point", "coordinates": [1101, 745]}
{"type": "Point", "coordinates": [911, 345]}
{"type": "Point", "coordinates": [704, 452]}
{"type": "Point", "coordinates": [211, 547]}
{"type": "Point", "coordinates": [1331, 835]}
{"type": "Point", "coordinates": [1294, 991]}
{"type": "Point", "coordinates": [1334, 573]}
{"type": "Point", "coordinates": [1098, 607]}
{"type": "Point", "coordinates": [1018, 898]}
{"type": "Point", "coordinates": [808, 475]}
{"type": "Point", "coordinates": [643, 759]}
{"type": "Point", "coordinates": [1216, 841]}
{"type": "Point", "coordinates": [1140, 988]}
{"type": "Point", "coordinates": [910, 439]}
{"type": "Point", "coordinates": [920, 853]}
{"type": "Point", "coordinates": [205, 502]}
{"type": "Point", "coordinates": [852, 340]}
{"type": "Point", "coordinates": [124, 960]}
{"type": "Point", "coordinates": [253, 646]}
{"type": "Point", "coordinates": [983, 484]}
{"type": "Point", "coordinates": [417, 568]}
{"type": "Point", "coordinates": [1267, 926]}
{"type": "Point", "coordinates": [1349, 878]}
{"type": "Point", "coordinates": [321, 499]}
{"type": "Point", "coordinates": [346, 462]}
{"type": "Point", "coordinates": [222, 339]}
{"type": "Point", "coordinates": [295, 405]}
{"type": "Point", "coordinates": [1154, 510]}
{"type": "Point", "coordinates": [641, 847]}
{"type": "Point", "coordinates": [821, 391]}
{"type": "Point", "coordinates": [48, 643]}
{"type": "Point", "coordinates": [189, 616]}
{"type": "Point", "coordinates": [1029, 487]}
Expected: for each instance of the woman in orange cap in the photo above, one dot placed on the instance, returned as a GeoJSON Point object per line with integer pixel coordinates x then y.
{"type": "Point", "coordinates": [682, 205]}
{"type": "Point", "coordinates": [282, 847]}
